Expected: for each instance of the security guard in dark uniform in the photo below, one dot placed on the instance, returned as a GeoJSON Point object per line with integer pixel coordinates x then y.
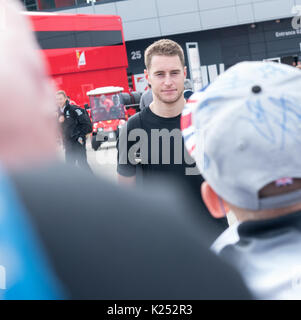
{"type": "Point", "coordinates": [75, 124]}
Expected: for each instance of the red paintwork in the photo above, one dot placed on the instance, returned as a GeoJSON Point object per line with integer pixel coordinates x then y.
{"type": "Point", "coordinates": [101, 116]}
{"type": "Point", "coordinates": [109, 125]}
{"type": "Point", "coordinates": [44, 4]}
{"type": "Point", "coordinates": [105, 66]}
{"type": "Point", "coordinates": [131, 112]}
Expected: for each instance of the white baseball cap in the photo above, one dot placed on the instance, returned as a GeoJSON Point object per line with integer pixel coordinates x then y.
{"type": "Point", "coordinates": [244, 132]}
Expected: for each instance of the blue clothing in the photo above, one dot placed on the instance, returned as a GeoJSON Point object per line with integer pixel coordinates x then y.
{"type": "Point", "coordinates": [24, 270]}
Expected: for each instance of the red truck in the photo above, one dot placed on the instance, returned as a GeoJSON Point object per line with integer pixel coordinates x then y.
{"type": "Point", "coordinates": [83, 52]}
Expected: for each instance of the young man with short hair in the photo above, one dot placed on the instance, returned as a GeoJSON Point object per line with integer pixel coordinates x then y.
{"type": "Point", "coordinates": [247, 137]}
{"type": "Point", "coordinates": [160, 150]}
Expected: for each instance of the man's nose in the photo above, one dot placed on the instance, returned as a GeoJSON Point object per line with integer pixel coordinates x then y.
{"type": "Point", "coordinates": [167, 80]}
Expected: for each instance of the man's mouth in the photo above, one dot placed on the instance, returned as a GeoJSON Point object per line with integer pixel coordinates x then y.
{"type": "Point", "coordinates": [169, 90]}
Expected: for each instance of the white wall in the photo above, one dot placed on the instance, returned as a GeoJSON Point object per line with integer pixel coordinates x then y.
{"type": "Point", "coordinates": [154, 18]}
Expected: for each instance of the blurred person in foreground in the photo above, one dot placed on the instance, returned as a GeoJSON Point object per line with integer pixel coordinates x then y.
{"type": "Point", "coordinates": [99, 244]}
{"type": "Point", "coordinates": [247, 138]}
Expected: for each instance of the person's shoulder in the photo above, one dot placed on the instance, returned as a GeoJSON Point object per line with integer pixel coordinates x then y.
{"type": "Point", "coordinates": [77, 109]}
{"type": "Point", "coordinates": [164, 213]}
{"type": "Point", "coordinates": [149, 92]}
{"type": "Point", "coordinates": [74, 107]}
{"type": "Point", "coordinates": [145, 93]}
{"type": "Point", "coordinates": [134, 121]}
{"type": "Point", "coordinates": [147, 97]}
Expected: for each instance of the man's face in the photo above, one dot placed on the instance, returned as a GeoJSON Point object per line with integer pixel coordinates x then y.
{"type": "Point", "coordinates": [60, 100]}
{"type": "Point", "coordinates": [166, 76]}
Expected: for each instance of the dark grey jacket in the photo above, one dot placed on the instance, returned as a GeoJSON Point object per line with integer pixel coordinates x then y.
{"type": "Point", "coordinates": [106, 242]}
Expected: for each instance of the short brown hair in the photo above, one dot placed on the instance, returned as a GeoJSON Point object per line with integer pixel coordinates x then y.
{"type": "Point", "coordinates": [62, 92]}
{"type": "Point", "coordinates": [163, 47]}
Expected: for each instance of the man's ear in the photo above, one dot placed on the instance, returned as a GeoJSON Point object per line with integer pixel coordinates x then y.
{"type": "Point", "coordinates": [185, 72]}
{"type": "Point", "coordinates": [215, 204]}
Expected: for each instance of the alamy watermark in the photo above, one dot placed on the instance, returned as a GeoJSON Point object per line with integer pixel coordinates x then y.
{"type": "Point", "coordinates": [137, 147]}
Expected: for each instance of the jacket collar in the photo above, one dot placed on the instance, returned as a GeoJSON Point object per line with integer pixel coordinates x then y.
{"type": "Point", "coordinates": [66, 107]}
{"type": "Point", "coordinates": [268, 227]}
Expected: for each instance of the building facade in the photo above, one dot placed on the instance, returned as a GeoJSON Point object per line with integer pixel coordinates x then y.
{"type": "Point", "coordinates": [214, 34]}
{"type": "Point", "coordinates": [38, 5]}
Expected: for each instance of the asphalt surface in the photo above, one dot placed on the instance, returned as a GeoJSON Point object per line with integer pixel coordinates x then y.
{"type": "Point", "coordinates": [103, 162]}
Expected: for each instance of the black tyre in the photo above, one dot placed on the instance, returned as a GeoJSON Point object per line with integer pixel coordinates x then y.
{"type": "Point", "coordinates": [125, 98]}
{"type": "Point", "coordinates": [95, 144]}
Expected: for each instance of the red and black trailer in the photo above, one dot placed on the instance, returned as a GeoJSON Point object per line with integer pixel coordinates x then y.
{"type": "Point", "coordinates": [83, 52]}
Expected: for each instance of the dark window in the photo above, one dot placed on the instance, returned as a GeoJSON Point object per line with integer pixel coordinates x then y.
{"type": "Point", "coordinates": [78, 39]}
{"type": "Point", "coordinates": [30, 5]}
{"type": "Point", "coordinates": [34, 5]}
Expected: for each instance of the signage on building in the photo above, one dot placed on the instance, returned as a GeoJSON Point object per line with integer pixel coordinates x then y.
{"type": "Point", "coordinates": [287, 33]}
{"type": "Point", "coordinates": [194, 65]}
{"type": "Point", "coordinates": [141, 83]}
{"type": "Point", "coordinates": [81, 58]}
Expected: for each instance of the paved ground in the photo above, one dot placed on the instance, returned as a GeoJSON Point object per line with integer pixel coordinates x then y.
{"type": "Point", "coordinates": [103, 161]}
